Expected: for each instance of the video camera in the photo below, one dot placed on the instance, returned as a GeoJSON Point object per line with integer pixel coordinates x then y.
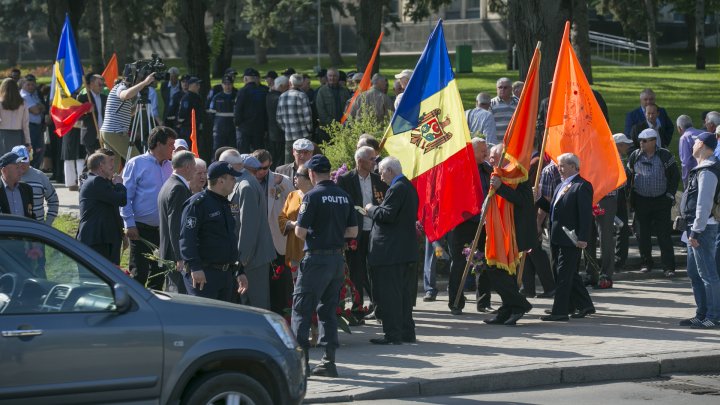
{"type": "Point", "coordinates": [140, 69]}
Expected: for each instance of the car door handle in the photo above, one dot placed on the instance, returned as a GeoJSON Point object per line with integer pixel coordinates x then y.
{"type": "Point", "coordinates": [22, 332]}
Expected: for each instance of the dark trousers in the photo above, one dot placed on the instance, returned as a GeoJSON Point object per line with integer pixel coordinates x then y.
{"type": "Point", "coordinates": [570, 291]}
{"type": "Point", "coordinates": [248, 140]}
{"type": "Point", "coordinates": [38, 144]}
{"type": "Point", "coordinates": [357, 264]}
{"type": "Point", "coordinates": [395, 288]}
{"type": "Point", "coordinates": [622, 236]}
{"type": "Point", "coordinates": [281, 286]}
{"type": "Point", "coordinates": [505, 285]}
{"type": "Point", "coordinates": [110, 251]}
{"type": "Point", "coordinates": [277, 151]}
{"type": "Point", "coordinates": [219, 285]}
{"type": "Point", "coordinates": [652, 215]}
{"type": "Point", "coordinates": [537, 262]}
{"type": "Point", "coordinates": [460, 236]}
{"type": "Point", "coordinates": [224, 137]}
{"type": "Point", "coordinates": [604, 229]}
{"type": "Point", "coordinates": [144, 270]}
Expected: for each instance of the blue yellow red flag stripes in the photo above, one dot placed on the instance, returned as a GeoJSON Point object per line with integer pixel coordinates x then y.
{"type": "Point", "coordinates": [429, 135]}
{"type": "Point", "coordinates": [65, 110]}
{"type": "Point", "coordinates": [67, 56]}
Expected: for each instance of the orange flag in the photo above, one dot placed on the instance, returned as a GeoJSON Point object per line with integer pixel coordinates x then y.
{"type": "Point", "coordinates": [501, 248]}
{"type": "Point", "coordinates": [111, 71]}
{"type": "Point", "coordinates": [365, 82]}
{"type": "Point", "coordinates": [576, 124]}
{"type": "Point", "coordinates": [193, 134]}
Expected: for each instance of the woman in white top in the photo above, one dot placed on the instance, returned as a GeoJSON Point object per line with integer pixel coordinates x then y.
{"type": "Point", "coordinates": [14, 118]}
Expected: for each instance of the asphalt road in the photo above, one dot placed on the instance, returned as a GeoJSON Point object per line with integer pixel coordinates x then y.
{"type": "Point", "coordinates": [672, 390]}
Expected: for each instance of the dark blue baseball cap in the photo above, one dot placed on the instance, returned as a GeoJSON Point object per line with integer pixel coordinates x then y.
{"type": "Point", "coordinates": [9, 158]}
{"type": "Point", "coordinates": [219, 169]}
{"type": "Point", "coordinates": [250, 72]}
{"type": "Point", "coordinates": [319, 164]}
{"type": "Point", "coordinates": [193, 80]}
{"type": "Point", "coordinates": [708, 139]}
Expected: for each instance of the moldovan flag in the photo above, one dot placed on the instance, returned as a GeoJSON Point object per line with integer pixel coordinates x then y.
{"type": "Point", "coordinates": [501, 248]}
{"type": "Point", "coordinates": [67, 79]}
{"type": "Point", "coordinates": [576, 124]}
{"type": "Point", "coordinates": [111, 71]}
{"type": "Point", "coordinates": [193, 134]}
{"type": "Point", "coordinates": [429, 135]}
{"type": "Point", "coordinates": [365, 81]}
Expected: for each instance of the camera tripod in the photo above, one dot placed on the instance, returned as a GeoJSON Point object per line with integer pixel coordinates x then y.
{"type": "Point", "coordinates": [142, 116]}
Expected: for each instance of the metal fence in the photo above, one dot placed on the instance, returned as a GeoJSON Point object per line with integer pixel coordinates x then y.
{"type": "Point", "coordinates": [616, 48]}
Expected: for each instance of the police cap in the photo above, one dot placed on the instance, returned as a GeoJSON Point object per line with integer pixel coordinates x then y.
{"type": "Point", "coordinates": [289, 72]}
{"type": "Point", "coordinates": [319, 164]}
{"type": "Point", "coordinates": [219, 169]}
{"type": "Point", "coordinates": [271, 74]}
{"type": "Point", "coordinates": [322, 73]}
{"type": "Point", "coordinates": [250, 72]}
{"type": "Point", "coordinates": [193, 80]}
{"type": "Point", "coordinates": [228, 79]}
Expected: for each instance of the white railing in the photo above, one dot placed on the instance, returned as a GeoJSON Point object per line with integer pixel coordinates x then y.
{"type": "Point", "coordinates": [617, 47]}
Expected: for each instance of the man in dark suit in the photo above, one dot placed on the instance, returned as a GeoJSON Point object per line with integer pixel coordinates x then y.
{"type": "Point", "coordinates": [393, 254]}
{"type": "Point", "coordinates": [171, 199]}
{"type": "Point", "coordinates": [661, 121]}
{"type": "Point", "coordinates": [101, 197]}
{"type": "Point", "coordinates": [90, 124]}
{"type": "Point", "coordinates": [16, 197]}
{"type": "Point", "coordinates": [364, 187]}
{"type": "Point", "coordinates": [570, 208]}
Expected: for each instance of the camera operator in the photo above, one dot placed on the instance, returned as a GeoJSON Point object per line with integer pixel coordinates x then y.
{"type": "Point", "coordinates": [118, 116]}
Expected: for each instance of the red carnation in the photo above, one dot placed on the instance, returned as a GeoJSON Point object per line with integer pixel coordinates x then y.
{"type": "Point", "coordinates": [353, 244]}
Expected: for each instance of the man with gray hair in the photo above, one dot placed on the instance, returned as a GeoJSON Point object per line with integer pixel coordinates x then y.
{"type": "Point", "coordinates": [480, 120]}
{"type": "Point", "coordinates": [276, 136]}
{"type": "Point", "coordinates": [330, 101]}
{"type": "Point", "coordinates": [685, 147]}
{"type": "Point", "coordinates": [661, 121]}
{"type": "Point", "coordinates": [712, 121]}
{"type": "Point", "coordinates": [171, 200]}
{"type": "Point", "coordinates": [374, 100]}
{"type": "Point", "coordinates": [503, 107]}
{"type": "Point", "coordinates": [294, 115]}
{"type": "Point", "coordinates": [168, 88]}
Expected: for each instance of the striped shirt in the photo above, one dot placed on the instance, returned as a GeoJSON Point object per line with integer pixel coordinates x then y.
{"type": "Point", "coordinates": [650, 180]}
{"type": "Point", "coordinates": [503, 112]}
{"type": "Point", "coordinates": [43, 195]}
{"type": "Point", "coordinates": [549, 180]}
{"type": "Point", "coordinates": [294, 115]}
{"type": "Point", "coordinates": [118, 114]}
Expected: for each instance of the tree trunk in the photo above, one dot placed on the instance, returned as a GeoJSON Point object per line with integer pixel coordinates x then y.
{"type": "Point", "coordinates": [92, 24]}
{"type": "Point", "coordinates": [260, 53]}
{"type": "Point", "coordinates": [119, 31]}
{"type": "Point", "coordinates": [12, 52]}
{"type": "Point", "coordinates": [105, 30]}
{"type": "Point", "coordinates": [651, 9]}
{"type": "Point", "coordinates": [368, 19]}
{"type": "Point", "coordinates": [580, 36]}
{"type": "Point", "coordinates": [56, 17]}
{"type": "Point", "coordinates": [690, 24]}
{"type": "Point", "coordinates": [700, 34]}
{"type": "Point", "coordinates": [191, 20]}
{"type": "Point", "coordinates": [224, 58]}
{"type": "Point", "coordinates": [329, 34]}
{"type": "Point", "coordinates": [547, 25]}
{"type": "Point", "coordinates": [509, 18]}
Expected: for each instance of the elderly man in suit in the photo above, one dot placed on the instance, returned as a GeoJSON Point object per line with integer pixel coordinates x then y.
{"type": "Point", "coordinates": [255, 244]}
{"type": "Point", "coordinates": [364, 187]}
{"type": "Point", "coordinates": [16, 197]}
{"type": "Point", "coordinates": [89, 136]}
{"type": "Point", "coordinates": [658, 120]}
{"type": "Point", "coordinates": [570, 208]}
{"type": "Point", "coordinates": [101, 197]}
{"type": "Point", "coordinates": [393, 254]}
{"type": "Point", "coordinates": [171, 200]}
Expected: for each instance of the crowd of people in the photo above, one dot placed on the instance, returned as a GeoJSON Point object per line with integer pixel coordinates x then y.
{"type": "Point", "coordinates": [260, 198]}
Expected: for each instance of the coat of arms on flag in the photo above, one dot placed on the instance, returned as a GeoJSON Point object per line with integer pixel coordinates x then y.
{"type": "Point", "coordinates": [430, 133]}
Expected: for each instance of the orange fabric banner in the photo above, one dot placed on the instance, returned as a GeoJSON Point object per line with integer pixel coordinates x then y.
{"type": "Point", "coordinates": [576, 124]}
{"type": "Point", "coordinates": [193, 134]}
{"type": "Point", "coordinates": [365, 82]}
{"type": "Point", "coordinates": [111, 71]}
{"type": "Point", "coordinates": [501, 248]}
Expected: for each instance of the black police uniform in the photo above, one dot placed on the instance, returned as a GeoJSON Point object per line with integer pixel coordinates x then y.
{"type": "Point", "coordinates": [326, 211]}
{"type": "Point", "coordinates": [208, 242]}
{"type": "Point", "coordinates": [250, 117]}
{"type": "Point", "coordinates": [190, 101]}
{"type": "Point", "coordinates": [222, 106]}
{"type": "Point", "coordinates": [172, 111]}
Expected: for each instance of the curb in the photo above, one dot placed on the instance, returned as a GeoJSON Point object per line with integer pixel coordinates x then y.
{"type": "Point", "coordinates": [569, 372]}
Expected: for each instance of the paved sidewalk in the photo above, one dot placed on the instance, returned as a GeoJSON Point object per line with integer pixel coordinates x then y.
{"type": "Point", "coordinates": [634, 335]}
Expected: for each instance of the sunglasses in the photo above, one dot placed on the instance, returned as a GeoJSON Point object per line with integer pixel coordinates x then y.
{"type": "Point", "coordinates": [301, 175]}
{"type": "Point", "coordinates": [264, 167]}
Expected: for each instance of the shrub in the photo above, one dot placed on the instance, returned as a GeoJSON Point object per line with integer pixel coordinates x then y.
{"type": "Point", "coordinates": [344, 137]}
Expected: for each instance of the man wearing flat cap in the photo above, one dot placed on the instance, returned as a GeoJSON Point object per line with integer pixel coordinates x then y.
{"type": "Point", "coordinates": [654, 178]}
{"type": "Point", "coordinates": [16, 197]}
{"type": "Point", "coordinates": [302, 151]}
{"type": "Point", "coordinates": [326, 218]}
{"type": "Point", "coordinates": [250, 113]}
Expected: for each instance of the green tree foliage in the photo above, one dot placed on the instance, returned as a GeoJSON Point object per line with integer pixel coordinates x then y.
{"type": "Point", "coordinates": [419, 10]}
{"type": "Point", "coordinates": [344, 137]}
{"type": "Point", "coordinates": [17, 17]}
{"type": "Point", "coordinates": [266, 17]}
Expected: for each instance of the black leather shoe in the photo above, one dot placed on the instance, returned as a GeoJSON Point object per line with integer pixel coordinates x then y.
{"type": "Point", "coordinates": [513, 319]}
{"type": "Point", "coordinates": [555, 318]}
{"type": "Point", "coordinates": [583, 313]}
{"type": "Point", "coordinates": [456, 311]}
{"type": "Point", "coordinates": [384, 341]}
{"type": "Point", "coordinates": [549, 294]}
{"type": "Point", "coordinates": [325, 369]}
{"type": "Point", "coordinates": [409, 339]}
{"type": "Point", "coordinates": [495, 321]}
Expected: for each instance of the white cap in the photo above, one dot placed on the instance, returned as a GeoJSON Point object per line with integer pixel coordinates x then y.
{"type": "Point", "coordinates": [405, 73]}
{"type": "Point", "coordinates": [621, 138]}
{"type": "Point", "coordinates": [357, 76]}
{"type": "Point", "coordinates": [648, 133]}
{"type": "Point", "coordinates": [303, 144]}
{"type": "Point", "coordinates": [181, 143]}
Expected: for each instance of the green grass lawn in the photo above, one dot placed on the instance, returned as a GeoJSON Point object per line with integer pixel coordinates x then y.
{"type": "Point", "coordinates": [69, 225]}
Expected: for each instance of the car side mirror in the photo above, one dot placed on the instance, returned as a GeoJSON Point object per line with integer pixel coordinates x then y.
{"type": "Point", "coordinates": [122, 298]}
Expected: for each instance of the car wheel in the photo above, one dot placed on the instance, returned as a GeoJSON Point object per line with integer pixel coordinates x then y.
{"type": "Point", "coordinates": [227, 388]}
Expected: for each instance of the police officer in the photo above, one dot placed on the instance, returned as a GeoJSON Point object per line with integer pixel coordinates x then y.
{"type": "Point", "coordinates": [251, 113]}
{"type": "Point", "coordinates": [172, 108]}
{"type": "Point", "coordinates": [208, 241]}
{"type": "Point", "coordinates": [326, 218]}
{"type": "Point", "coordinates": [192, 100]}
{"type": "Point", "coordinates": [222, 106]}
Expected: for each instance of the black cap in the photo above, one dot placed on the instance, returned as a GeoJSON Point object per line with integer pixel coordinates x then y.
{"type": "Point", "coordinates": [289, 72]}
{"type": "Point", "coordinates": [343, 76]}
{"type": "Point", "coordinates": [319, 164]}
{"type": "Point", "coordinates": [193, 80]}
{"type": "Point", "coordinates": [322, 73]}
{"type": "Point", "coordinates": [250, 72]}
{"type": "Point", "coordinates": [230, 71]}
{"type": "Point", "coordinates": [30, 78]}
{"type": "Point", "coordinates": [271, 74]}
{"type": "Point", "coordinates": [228, 79]}
{"type": "Point", "coordinates": [9, 158]}
{"type": "Point", "coordinates": [185, 78]}
{"type": "Point", "coordinates": [219, 169]}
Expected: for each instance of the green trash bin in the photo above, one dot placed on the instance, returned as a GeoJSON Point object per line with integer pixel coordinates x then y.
{"type": "Point", "coordinates": [463, 59]}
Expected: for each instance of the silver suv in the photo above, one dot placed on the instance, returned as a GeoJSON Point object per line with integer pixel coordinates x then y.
{"type": "Point", "coordinates": [75, 329]}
